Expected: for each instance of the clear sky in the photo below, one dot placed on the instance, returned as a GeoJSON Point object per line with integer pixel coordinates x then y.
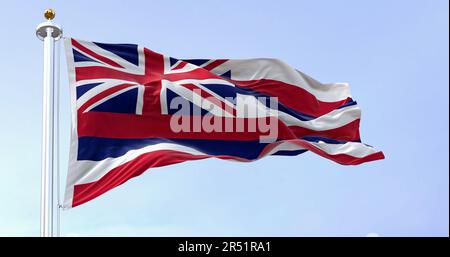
{"type": "Point", "coordinates": [394, 54]}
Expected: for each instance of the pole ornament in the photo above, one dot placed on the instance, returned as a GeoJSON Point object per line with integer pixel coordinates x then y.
{"type": "Point", "coordinates": [49, 14]}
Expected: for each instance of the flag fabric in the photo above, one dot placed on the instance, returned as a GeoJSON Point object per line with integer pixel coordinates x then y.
{"type": "Point", "coordinates": [134, 109]}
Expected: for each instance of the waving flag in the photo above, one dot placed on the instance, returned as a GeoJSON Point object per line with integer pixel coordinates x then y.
{"type": "Point", "coordinates": [134, 109]}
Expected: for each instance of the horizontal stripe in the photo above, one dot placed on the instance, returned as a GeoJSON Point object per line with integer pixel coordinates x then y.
{"type": "Point", "coordinates": [348, 132]}
{"type": "Point", "coordinates": [303, 102]}
{"type": "Point", "coordinates": [332, 120]}
{"type": "Point", "coordinates": [97, 149]}
{"type": "Point", "coordinates": [289, 153]}
{"type": "Point", "coordinates": [222, 89]}
{"type": "Point", "coordinates": [88, 171]}
{"type": "Point", "coordinates": [350, 153]}
{"type": "Point", "coordinates": [291, 96]}
{"type": "Point", "coordinates": [280, 105]}
{"type": "Point", "coordinates": [94, 72]}
{"type": "Point", "coordinates": [130, 167]}
{"type": "Point", "coordinates": [115, 125]}
{"type": "Point", "coordinates": [323, 139]}
{"type": "Point", "coordinates": [117, 176]}
{"type": "Point", "coordinates": [276, 70]}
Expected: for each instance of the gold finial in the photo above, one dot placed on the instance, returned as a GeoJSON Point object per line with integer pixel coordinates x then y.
{"type": "Point", "coordinates": [49, 14]}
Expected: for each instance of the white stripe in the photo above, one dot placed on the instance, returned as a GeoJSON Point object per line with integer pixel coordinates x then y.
{"type": "Point", "coordinates": [355, 149]}
{"type": "Point", "coordinates": [163, 96]}
{"type": "Point", "coordinates": [89, 171]}
{"type": "Point", "coordinates": [204, 81]}
{"type": "Point", "coordinates": [331, 120]}
{"type": "Point", "coordinates": [285, 146]}
{"type": "Point", "coordinates": [140, 99]}
{"type": "Point", "coordinates": [334, 119]}
{"type": "Point", "coordinates": [256, 69]}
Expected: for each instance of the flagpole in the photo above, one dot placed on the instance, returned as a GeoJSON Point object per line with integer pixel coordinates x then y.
{"type": "Point", "coordinates": [49, 33]}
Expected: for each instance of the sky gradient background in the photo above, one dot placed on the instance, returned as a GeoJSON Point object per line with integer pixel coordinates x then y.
{"type": "Point", "coordinates": [394, 54]}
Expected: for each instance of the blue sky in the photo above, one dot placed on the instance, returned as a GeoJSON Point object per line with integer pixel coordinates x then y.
{"type": "Point", "coordinates": [394, 54]}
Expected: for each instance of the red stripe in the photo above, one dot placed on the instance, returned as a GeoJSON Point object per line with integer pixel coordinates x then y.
{"type": "Point", "coordinates": [214, 64]}
{"type": "Point", "coordinates": [154, 66]}
{"type": "Point", "coordinates": [198, 73]}
{"type": "Point", "coordinates": [291, 96]}
{"type": "Point", "coordinates": [343, 159]}
{"type": "Point", "coordinates": [117, 125]}
{"type": "Point", "coordinates": [152, 103]}
{"type": "Point", "coordinates": [348, 132]}
{"type": "Point", "coordinates": [97, 72]}
{"type": "Point", "coordinates": [93, 54]}
{"type": "Point", "coordinates": [154, 69]}
{"type": "Point", "coordinates": [180, 65]}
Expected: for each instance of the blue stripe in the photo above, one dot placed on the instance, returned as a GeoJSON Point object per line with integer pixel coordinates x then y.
{"type": "Point", "coordinates": [290, 153]}
{"type": "Point", "coordinates": [96, 149]}
{"type": "Point", "coordinates": [222, 90]}
{"type": "Point", "coordinates": [350, 102]}
{"type": "Point", "coordinates": [281, 107]}
{"type": "Point", "coordinates": [324, 139]}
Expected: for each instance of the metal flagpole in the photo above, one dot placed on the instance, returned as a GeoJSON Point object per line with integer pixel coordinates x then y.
{"type": "Point", "coordinates": [49, 33]}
